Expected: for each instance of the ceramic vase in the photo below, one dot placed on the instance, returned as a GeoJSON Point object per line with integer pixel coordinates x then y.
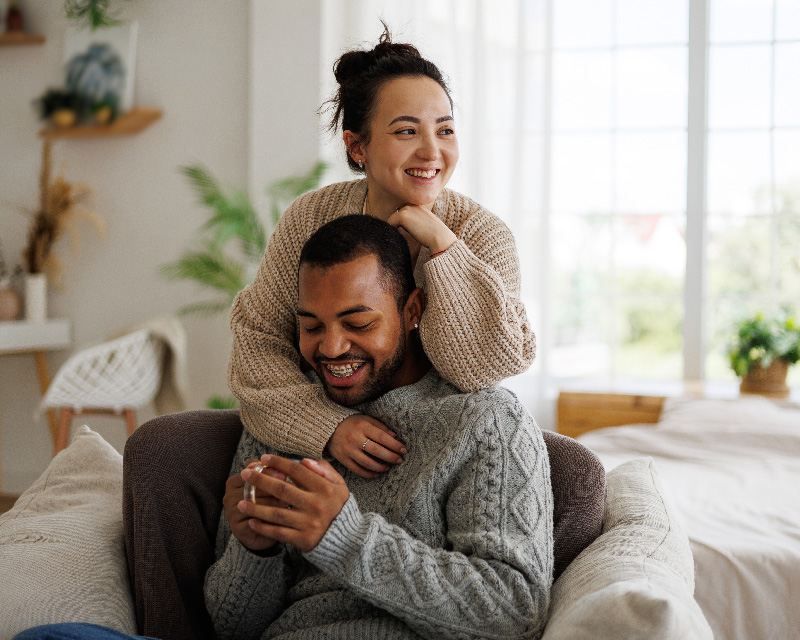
{"type": "Point", "coordinates": [35, 297]}
{"type": "Point", "coordinates": [10, 304]}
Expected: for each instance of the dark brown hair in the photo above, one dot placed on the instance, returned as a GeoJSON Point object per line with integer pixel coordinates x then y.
{"type": "Point", "coordinates": [362, 73]}
{"type": "Point", "coordinates": [349, 237]}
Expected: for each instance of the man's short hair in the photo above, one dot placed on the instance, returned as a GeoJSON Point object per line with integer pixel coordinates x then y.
{"type": "Point", "coordinates": [354, 236]}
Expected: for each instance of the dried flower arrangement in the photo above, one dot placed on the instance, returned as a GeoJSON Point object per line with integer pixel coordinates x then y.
{"type": "Point", "coordinates": [59, 207]}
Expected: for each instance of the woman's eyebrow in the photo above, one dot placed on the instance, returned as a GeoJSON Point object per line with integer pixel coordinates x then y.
{"type": "Point", "coordinates": [417, 120]}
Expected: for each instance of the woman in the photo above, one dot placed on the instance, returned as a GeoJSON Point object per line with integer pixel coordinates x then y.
{"type": "Point", "coordinates": [396, 116]}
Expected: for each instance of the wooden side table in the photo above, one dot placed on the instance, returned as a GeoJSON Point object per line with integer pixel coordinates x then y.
{"type": "Point", "coordinates": [36, 338]}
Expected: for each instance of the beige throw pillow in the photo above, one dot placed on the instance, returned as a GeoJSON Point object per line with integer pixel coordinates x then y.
{"type": "Point", "coordinates": [636, 581]}
{"type": "Point", "coordinates": [62, 555]}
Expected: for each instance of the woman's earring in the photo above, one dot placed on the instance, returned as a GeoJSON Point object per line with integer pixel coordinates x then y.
{"type": "Point", "coordinates": [360, 165]}
{"type": "Point", "coordinates": [416, 325]}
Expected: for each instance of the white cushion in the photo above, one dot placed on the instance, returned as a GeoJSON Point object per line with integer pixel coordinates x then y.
{"type": "Point", "coordinates": [62, 554]}
{"type": "Point", "coordinates": [637, 579]}
{"type": "Point", "coordinates": [734, 414]}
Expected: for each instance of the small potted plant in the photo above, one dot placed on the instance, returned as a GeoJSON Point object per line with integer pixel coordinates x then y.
{"type": "Point", "coordinates": [761, 352]}
{"type": "Point", "coordinates": [61, 106]}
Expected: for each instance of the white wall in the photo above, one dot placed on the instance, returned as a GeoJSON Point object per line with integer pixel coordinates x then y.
{"type": "Point", "coordinates": [194, 62]}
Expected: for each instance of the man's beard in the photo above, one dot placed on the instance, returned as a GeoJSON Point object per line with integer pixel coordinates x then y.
{"type": "Point", "coordinates": [374, 387]}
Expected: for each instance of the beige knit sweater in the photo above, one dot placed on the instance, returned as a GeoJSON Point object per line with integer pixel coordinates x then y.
{"type": "Point", "coordinates": [474, 329]}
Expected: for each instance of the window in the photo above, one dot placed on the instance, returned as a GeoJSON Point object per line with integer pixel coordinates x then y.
{"type": "Point", "coordinates": [646, 155]}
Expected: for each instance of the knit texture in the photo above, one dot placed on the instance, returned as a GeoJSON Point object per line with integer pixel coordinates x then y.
{"type": "Point", "coordinates": [474, 329]}
{"type": "Point", "coordinates": [456, 542]}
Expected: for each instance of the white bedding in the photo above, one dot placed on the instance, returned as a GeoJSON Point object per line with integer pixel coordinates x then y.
{"type": "Point", "coordinates": [732, 469]}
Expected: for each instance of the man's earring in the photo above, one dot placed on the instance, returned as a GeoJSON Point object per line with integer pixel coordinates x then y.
{"type": "Point", "coordinates": [360, 165]}
{"type": "Point", "coordinates": [416, 325]}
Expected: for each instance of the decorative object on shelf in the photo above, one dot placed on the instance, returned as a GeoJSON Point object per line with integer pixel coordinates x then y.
{"type": "Point", "coordinates": [10, 303]}
{"type": "Point", "coordinates": [59, 208]}
{"type": "Point", "coordinates": [762, 351]}
{"type": "Point", "coordinates": [61, 107]}
{"type": "Point", "coordinates": [100, 66]}
{"type": "Point", "coordinates": [232, 216]}
{"type": "Point", "coordinates": [35, 297]}
{"type": "Point", "coordinates": [15, 22]}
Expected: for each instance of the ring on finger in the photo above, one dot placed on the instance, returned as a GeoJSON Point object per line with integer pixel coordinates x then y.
{"type": "Point", "coordinates": [364, 446]}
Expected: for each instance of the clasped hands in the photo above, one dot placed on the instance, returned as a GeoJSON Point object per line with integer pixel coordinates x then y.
{"type": "Point", "coordinates": [297, 512]}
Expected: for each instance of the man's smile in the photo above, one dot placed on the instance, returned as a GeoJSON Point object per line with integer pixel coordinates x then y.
{"type": "Point", "coordinates": [342, 374]}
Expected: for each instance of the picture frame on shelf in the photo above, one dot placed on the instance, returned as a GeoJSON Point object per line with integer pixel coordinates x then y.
{"type": "Point", "coordinates": [101, 65]}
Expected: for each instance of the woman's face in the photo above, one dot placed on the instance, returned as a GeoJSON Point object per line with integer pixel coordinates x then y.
{"type": "Point", "coordinates": [413, 148]}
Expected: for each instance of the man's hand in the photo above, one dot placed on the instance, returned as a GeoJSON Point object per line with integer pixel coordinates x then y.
{"type": "Point", "coordinates": [347, 446]}
{"type": "Point", "coordinates": [237, 520]}
{"type": "Point", "coordinates": [297, 512]}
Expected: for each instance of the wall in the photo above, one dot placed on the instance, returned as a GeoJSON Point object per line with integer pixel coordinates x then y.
{"type": "Point", "coordinates": [194, 62]}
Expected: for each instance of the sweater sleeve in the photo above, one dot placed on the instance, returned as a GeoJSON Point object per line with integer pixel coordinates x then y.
{"type": "Point", "coordinates": [244, 592]}
{"type": "Point", "coordinates": [492, 578]}
{"type": "Point", "coordinates": [279, 405]}
{"type": "Point", "coordinates": [475, 330]}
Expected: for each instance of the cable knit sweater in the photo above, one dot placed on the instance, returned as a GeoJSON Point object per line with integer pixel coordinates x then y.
{"type": "Point", "coordinates": [474, 329]}
{"type": "Point", "coordinates": [456, 542]}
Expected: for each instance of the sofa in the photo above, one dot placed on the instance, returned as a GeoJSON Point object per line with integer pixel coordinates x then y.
{"type": "Point", "coordinates": [126, 544]}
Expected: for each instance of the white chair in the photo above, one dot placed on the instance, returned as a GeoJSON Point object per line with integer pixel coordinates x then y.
{"type": "Point", "coordinates": [113, 378]}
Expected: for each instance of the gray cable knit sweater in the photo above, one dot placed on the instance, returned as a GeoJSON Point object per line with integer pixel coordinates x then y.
{"type": "Point", "coordinates": [456, 542]}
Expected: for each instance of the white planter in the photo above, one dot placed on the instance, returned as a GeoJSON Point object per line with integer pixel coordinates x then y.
{"type": "Point", "coordinates": [36, 297]}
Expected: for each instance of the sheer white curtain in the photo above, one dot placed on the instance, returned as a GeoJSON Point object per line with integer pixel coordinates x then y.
{"type": "Point", "coordinates": [493, 55]}
{"type": "Point", "coordinates": [643, 152]}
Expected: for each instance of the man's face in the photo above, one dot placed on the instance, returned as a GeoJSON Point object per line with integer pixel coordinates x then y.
{"type": "Point", "coordinates": [351, 331]}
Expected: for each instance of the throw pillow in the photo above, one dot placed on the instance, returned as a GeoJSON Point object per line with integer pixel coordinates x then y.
{"type": "Point", "coordinates": [62, 556]}
{"type": "Point", "coordinates": [637, 579]}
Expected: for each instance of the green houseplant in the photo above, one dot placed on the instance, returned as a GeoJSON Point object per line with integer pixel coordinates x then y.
{"type": "Point", "coordinates": [761, 352]}
{"type": "Point", "coordinates": [232, 242]}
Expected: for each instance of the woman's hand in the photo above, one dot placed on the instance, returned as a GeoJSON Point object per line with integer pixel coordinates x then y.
{"type": "Point", "coordinates": [424, 227]}
{"type": "Point", "coordinates": [347, 446]}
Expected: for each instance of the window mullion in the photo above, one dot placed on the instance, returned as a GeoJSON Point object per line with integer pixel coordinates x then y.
{"type": "Point", "coordinates": [695, 282]}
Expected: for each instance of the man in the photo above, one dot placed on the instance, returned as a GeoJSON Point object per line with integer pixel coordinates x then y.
{"type": "Point", "coordinates": [455, 541]}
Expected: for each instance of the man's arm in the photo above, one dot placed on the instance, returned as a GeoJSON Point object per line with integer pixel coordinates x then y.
{"type": "Point", "coordinates": [493, 578]}
{"type": "Point", "coordinates": [245, 592]}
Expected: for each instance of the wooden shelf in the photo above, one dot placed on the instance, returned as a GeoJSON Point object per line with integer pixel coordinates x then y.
{"type": "Point", "coordinates": [134, 121]}
{"type": "Point", "coordinates": [19, 37]}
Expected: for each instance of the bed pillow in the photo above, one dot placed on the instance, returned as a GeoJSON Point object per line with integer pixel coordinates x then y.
{"type": "Point", "coordinates": [637, 579]}
{"type": "Point", "coordinates": [62, 556]}
{"type": "Point", "coordinates": [733, 414]}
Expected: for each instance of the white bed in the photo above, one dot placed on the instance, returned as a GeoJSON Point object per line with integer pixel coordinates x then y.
{"type": "Point", "coordinates": [732, 470]}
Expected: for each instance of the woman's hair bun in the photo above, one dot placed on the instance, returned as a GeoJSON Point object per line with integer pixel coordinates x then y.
{"type": "Point", "coordinates": [354, 63]}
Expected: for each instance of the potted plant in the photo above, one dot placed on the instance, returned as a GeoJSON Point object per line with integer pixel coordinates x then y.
{"type": "Point", "coordinates": [213, 264]}
{"type": "Point", "coordinates": [761, 352]}
{"type": "Point", "coordinates": [62, 107]}
{"type": "Point", "coordinates": [60, 206]}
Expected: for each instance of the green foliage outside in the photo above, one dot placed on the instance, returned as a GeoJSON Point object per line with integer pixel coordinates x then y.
{"type": "Point", "coordinates": [232, 242]}
{"type": "Point", "coordinates": [760, 340]}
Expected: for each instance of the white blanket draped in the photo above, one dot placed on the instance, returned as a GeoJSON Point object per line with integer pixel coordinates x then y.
{"type": "Point", "coordinates": [732, 469]}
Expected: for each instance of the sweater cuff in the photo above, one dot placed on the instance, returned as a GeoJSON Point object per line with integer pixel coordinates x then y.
{"type": "Point", "coordinates": [449, 266]}
{"type": "Point", "coordinates": [344, 539]}
{"type": "Point", "coordinates": [242, 561]}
